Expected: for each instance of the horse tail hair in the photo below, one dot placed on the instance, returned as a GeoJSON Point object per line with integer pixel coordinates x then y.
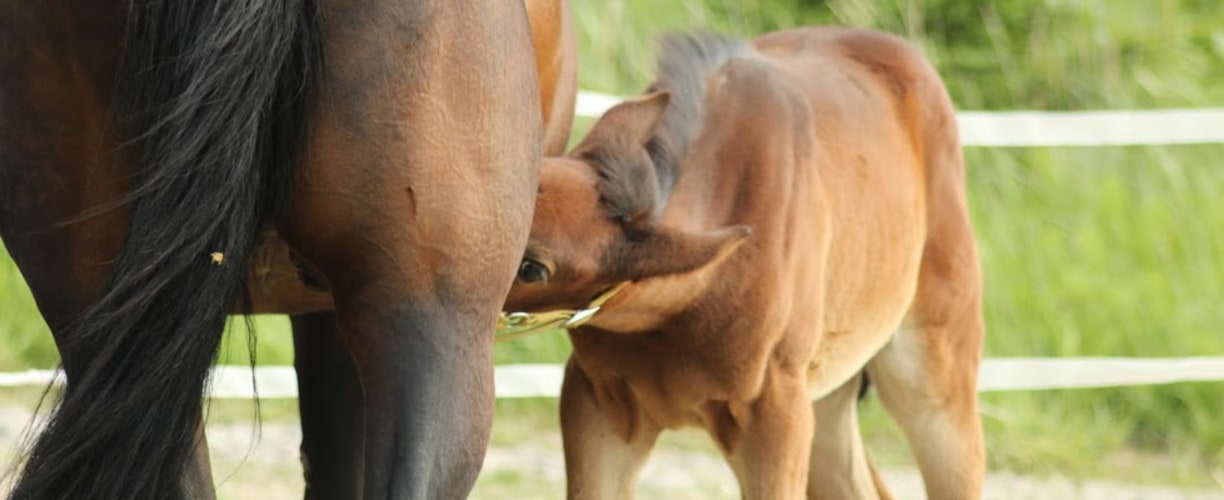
{"type": "Point", "coordinates": [211, 104]}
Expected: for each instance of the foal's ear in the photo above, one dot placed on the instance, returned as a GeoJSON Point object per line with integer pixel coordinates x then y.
{"type": "Point", "coordinates": [631, 122]}
{"type": "Point", "coordinates": [665, 251]}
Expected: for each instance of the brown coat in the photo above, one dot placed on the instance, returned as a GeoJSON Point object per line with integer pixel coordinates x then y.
{"type": "Point", "coordinates": [790, 213]}
{"type": "Point", "coordinates": [280, 283]}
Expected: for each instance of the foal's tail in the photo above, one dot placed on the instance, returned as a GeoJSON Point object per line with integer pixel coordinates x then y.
{"type": "Point", "coordinates": [212, 104]}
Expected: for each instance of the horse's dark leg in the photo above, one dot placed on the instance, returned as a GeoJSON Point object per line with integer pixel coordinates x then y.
{"type": "Point", "coordinates": [329, 396]}
{"type": "Point", "coordinates": [414, 203]}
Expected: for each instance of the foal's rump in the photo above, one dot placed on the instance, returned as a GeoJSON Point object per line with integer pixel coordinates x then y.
{"type": "Point", "coordinates": [901, 287]}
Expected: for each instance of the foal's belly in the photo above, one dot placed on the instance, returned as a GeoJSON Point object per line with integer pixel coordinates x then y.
{"type": "Point", "coordinates": [861, 317]}
{"type": "Point", "coordinates": [842, 355]}
{"type": "Point", "coordinates": [868, 285]}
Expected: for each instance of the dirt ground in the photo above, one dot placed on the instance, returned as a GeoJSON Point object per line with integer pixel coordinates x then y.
{"type": "Point", "coordinates": [268, 470]}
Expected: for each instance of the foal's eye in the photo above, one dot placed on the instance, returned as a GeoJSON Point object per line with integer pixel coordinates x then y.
{"type": "Point", "coordinates": [531, 271]}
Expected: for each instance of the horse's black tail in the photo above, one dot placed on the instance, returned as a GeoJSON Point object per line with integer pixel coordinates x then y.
{"type": "Point", "coordinates": [212, 102]}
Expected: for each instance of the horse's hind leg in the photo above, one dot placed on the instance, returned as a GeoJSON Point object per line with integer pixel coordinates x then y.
{"type": "Point", "coordinates": [927, 375]}
{"type": "Point", "coordinates": [839, 467]}
{"type": "Point", "coordinates": [414, 203]}
{"type": "Point", "coordinates": [330, 402]}
{"type": "Point", "coordinates": [606, 440]}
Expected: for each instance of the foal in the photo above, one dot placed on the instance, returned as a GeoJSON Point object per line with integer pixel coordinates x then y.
{"type": "Point", "coordinates": [787, 213]}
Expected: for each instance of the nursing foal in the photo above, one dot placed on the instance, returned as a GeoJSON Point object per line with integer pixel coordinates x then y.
{"type": "Point", "coordinates": [788, 213]}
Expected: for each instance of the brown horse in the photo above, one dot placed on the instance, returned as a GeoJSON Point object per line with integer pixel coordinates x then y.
{"type": "Point", "coordinates": [146, 145]}
{"type": "Point", "coordinates": [788, 213]}
{"type": "Point", "coordinates": [329, 387]}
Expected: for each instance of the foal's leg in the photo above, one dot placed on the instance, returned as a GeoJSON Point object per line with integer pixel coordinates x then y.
{"type": "Point", "coordinates": [607, 440]}
{"type": "Point", "coordinates": [927, 375]}
{"type": "Point", "coordinates": [330, 402]}
{"type": "Point", "coordinates": [839, 467]}
{"type": "Point", "coordinates": [770, 455]}
{"type": "Point", "coordinates": [932, 396]}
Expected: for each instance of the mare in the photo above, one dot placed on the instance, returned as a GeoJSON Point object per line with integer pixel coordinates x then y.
{"type": "Point", "coordinates": [329, 386]}
{"type": "Point", "coordinates": [148, 147]}
{"type": "Point", "coordinates": [784, 214]}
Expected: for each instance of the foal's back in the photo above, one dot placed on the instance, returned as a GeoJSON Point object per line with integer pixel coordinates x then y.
{"type": "Point", "coordinates": [815, 143]}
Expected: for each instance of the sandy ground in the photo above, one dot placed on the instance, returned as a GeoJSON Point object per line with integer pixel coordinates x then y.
{"type": "Point", "coordinates": [268, 470]}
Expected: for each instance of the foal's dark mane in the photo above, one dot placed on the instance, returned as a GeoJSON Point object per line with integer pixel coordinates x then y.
{"type": "Point", "coordinates": [685, 63]}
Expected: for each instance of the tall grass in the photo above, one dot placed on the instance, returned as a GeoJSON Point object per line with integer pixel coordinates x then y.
{"type": "Point", "coordinates": [1086, 251]}
{"type": "Point", "coordinates": [1111, 252]}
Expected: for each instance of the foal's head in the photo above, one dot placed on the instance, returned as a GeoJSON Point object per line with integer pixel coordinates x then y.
{"type": "Point", "coordinates": [597, 218]}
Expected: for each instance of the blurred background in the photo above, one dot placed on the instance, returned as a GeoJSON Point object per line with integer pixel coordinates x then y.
{"type": "Point", "coordinates": [1087, 251]}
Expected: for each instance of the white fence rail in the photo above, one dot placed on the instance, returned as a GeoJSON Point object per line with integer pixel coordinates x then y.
{"type": "Point", "coordinates": [544, 380]}
{"type": "Point", "coordinates": [1052, 128]}
{"type": "Point", "coordinates": [1005, 129]}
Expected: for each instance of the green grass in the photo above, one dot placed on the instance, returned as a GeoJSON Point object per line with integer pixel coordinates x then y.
{"type": "Point", "coordinates": [23, 334]}
{"type": "Point", "coordinates": [1103, 252]}
{"type": "Point", "coordinates": [1086, 251]}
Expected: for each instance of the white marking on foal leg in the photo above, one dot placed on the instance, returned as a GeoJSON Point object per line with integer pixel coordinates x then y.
{"type": "Point", "coordinates": [932, 395]}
